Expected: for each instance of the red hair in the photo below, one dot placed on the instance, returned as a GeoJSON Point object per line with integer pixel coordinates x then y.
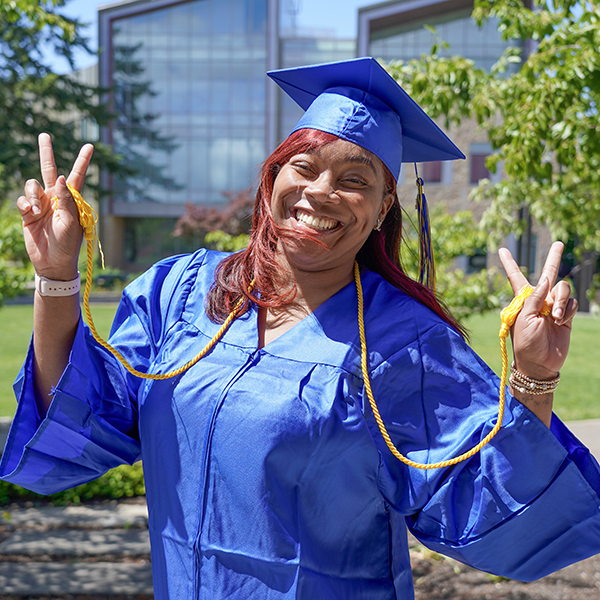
{"type": "Point", "coordinates": [380, 253]}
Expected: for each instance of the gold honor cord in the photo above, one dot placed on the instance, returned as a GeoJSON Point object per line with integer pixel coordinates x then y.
{"type": "Point", "coordinates": [88, 219]}
{"type": "Point", "coordinates": [507, 316]}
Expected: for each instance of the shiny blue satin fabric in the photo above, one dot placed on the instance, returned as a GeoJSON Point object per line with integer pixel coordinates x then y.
{"type": "Point", "coordinates": [266, 475]}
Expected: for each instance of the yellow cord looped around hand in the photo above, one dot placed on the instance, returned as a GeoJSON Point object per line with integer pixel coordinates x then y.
{"type": "Point", "coordinates": [508, 317]}
{"type": "Point", "coordinates": [88, 219]}
{"type": "Point", "coordinates": [509, 314]}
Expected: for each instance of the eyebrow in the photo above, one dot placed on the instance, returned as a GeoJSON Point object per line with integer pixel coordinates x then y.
{"type": "Point", "coordinates": [362, 160]}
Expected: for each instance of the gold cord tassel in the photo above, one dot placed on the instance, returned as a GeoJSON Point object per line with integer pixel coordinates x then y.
{"type": "Point", "coordinates": [508, 316]}
{"type": "Point", "coordinates": [88, 219]}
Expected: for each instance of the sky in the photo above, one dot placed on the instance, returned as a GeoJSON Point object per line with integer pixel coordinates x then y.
{"type": "Point", "coordinates": [338, 16]}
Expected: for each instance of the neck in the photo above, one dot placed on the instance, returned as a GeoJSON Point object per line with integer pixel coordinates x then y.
{"type": "Point", "coordinates": [315, 287]}
{"type": "Point", "coordinates": [312, 289]}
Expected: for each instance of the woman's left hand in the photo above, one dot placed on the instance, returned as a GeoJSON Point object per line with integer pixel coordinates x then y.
{"type": "Point", "coordinates": [541, 343]}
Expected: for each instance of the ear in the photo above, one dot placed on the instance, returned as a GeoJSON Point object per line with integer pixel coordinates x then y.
{"type": "Point", "coordinates": [275, 171]}
{"type": "Point", "coordinates": [388, 201]}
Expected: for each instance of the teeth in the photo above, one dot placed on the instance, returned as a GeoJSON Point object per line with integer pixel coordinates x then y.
{"type": "Point", "coordinates": [315, 222]}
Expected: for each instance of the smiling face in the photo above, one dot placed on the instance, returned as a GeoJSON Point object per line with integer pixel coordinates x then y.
{"type": "Point", "coordinates": [331, 198]}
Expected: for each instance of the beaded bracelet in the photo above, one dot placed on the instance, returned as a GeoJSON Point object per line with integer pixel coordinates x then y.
{"type": "Point", "coordinates": [527, 385]}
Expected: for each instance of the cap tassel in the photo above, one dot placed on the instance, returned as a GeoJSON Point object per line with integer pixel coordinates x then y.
{"type": "Point", "coordinates": [427, 270]}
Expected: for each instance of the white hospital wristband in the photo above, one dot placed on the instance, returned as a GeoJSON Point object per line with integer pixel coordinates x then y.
{"type": "Point", "coordinates": [47, 287]}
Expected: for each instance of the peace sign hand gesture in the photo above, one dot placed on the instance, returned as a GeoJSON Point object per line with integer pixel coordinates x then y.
{"type": "Point", "coordinates": [53, 236]}
{"type": "Point", "coordinates": [541, 343]}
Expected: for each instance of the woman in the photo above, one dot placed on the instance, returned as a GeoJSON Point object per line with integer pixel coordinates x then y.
{"type": "Point", "coordinates": [266, 474]}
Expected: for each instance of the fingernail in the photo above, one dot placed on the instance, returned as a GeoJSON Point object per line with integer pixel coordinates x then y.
{"type": "Point", "coordinates": [62, 180]}
{"type": "Point", "coordinates": [558, 313]}
{"type": "Point", "coordinates": [35, 209]}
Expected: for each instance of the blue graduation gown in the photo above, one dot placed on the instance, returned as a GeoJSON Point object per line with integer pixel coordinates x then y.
{"type": "Point", "coordinates": [266, 475]}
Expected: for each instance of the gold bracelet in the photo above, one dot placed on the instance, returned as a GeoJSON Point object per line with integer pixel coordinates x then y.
{"type": "Point", "coordinates": [526, 385]}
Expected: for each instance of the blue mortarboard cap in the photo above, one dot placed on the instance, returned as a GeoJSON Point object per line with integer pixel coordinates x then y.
{"type": "Point", "coordinates": [358, 101]}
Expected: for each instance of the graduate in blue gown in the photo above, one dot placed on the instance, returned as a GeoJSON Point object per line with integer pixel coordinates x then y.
{"type": "Point", "coordinates": [267, 475]}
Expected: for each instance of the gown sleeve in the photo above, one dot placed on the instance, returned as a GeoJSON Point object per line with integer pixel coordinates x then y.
{"type": "Point", "coordinates": [91, 424]}
{"type": "Point", "coordinates": [526, 505]}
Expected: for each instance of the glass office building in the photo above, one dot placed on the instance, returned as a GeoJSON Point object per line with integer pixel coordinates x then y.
{"type": "Point", "coordinates": [196, 113]}
{"type": "Point", "coordinates": [189, 90]}
{"type": "Point", "coordinates": [405, 42]}
{"type": "Point", "coordinates": [298, 51]}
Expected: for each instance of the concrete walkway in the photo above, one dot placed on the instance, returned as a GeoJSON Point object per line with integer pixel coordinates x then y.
{"type": "Point", "coordinates": [588, 432]}
{"type": "Point", "coordinates": [59, 551]}
{"type": "Point", "coordinates": [101, 549]}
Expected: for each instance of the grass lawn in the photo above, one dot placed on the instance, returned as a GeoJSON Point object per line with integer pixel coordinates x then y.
{"type": "Point", "coordinates": [15, 330]}
{"type": "Point", "coordinates": [577, 397]}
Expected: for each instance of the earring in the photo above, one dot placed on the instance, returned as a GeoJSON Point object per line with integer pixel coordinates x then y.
{"type": "Point", "coordinates": [378, 226]}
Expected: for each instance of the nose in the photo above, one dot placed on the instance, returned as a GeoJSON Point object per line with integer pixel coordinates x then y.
{"type": "Point", "coordinates": [321, 187]}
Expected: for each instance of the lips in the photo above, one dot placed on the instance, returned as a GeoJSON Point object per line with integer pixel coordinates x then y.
{"type": "Point", "coordinates": [316, 223]}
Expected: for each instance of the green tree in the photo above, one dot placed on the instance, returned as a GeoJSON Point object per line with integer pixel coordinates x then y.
{"type": "Point", "coordinates": [134, 132]}
{"type": "Point", "coordinates": [15, 268]}
{"type": "Point", "coordinates": [453, 236]}
{"type": "Point", "coordinates": [542, 120]}
{"type": "Point", "coordinates": [34, 99]}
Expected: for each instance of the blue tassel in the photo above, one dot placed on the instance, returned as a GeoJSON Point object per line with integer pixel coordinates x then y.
{"type": "Point", "coordinates": [427, 269]}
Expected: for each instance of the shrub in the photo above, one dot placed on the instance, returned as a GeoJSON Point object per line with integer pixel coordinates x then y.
{"type": "Point", "coordinates": [122, 482]}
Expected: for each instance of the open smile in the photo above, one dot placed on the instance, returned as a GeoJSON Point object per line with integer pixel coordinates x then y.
{"type": "Point", "coordinates": [316, 223]}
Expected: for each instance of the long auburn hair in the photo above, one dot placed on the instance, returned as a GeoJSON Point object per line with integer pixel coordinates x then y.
{"type": "Point", "coordinates": [380, 253]}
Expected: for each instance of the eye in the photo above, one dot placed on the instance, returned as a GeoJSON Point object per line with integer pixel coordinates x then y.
{"type": "Point", "coordinates": [354, 181]}
{"type": "Point", "coordinates": [303, 167]}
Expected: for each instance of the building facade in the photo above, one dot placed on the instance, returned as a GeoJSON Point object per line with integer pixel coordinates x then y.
{"type": "Point", "coordinates": [396, 30]}
{"type": "Point", "coordinates": [197, 114]}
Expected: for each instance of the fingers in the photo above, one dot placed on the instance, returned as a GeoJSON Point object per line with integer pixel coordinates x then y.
{"type": "Point", "coordinates": [30, 205]}
{"type": "Point", "coordinates": [26, 210]}
{"type": "Point", "coordinates": [515, 277]}
{"type": "Point", "coordinates": [64, 198]}
{"type": "Point", "coordinates": [563, 307]}
{"type": "Point", "coordinates": [47, 164]}
{"type": "Point", "coordinates": [550, 270]}
{"type": "Point", "coordinates": [561, 302]}
{"type": "Point", "coordinates": [535, 302]}
{"type": "Point", "coordinates": [552, 263]}
{"type": "Point", "coordinates": [77, 175]}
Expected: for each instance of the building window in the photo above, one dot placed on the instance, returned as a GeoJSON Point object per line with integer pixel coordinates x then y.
{"type": "Point", "coordinates": [189, 89]}
{"type": "Point", "coordinates": [410, 40]}
{"type": "Point", "coordinates": [478, 168]}
{"type": "Point", "coordinates": [479, 153]}
{"type": "Point", "coordinates": [527, 243]}
{"type": "Point", "coordinates": [147, 240]}
{"type": "Point", "coordinates": [477, 262]}
{"type": "Point", "coordinates": [431, 172]}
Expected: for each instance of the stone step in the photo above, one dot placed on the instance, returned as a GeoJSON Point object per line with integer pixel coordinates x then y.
{"type": "Point", "coordinates": [77, 543]}
{"type": "Point", "coordinates": [111, 514]}
{"type": "Point", "coordinates": [52, 579]}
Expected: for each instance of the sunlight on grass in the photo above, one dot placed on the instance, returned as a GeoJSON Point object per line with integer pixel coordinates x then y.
{"type": "Point", "coordinates": [15, 331]}
{"type": "Point", "coordinates": [577, 397]}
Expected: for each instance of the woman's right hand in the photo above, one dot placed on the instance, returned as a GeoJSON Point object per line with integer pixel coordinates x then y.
{"type": "Point", "coordinates": [53, 235]}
